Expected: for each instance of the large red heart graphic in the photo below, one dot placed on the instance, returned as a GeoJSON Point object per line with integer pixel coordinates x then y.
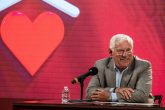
{"type": "Point", "coordinates": [32, 42]}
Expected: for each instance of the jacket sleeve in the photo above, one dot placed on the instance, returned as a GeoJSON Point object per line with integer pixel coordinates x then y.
{"type": "Point", "coordinates": [95, 81]}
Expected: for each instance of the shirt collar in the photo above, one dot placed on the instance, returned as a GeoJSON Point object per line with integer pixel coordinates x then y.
{"type": "Point", "coordinates": [117, 70]}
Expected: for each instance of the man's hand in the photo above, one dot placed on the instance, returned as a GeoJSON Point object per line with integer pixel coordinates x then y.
{"type": "Point", "coordinates": [125, 92]}
{"type": "Point", "coordinates": [101, 95]}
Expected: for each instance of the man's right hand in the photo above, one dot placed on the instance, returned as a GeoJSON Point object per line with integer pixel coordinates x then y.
{"type": "Point", "coordinates": [100, 95]}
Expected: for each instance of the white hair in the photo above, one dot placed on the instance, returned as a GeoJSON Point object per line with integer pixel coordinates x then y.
{"type": "Point", "coordinates": [119, 38]}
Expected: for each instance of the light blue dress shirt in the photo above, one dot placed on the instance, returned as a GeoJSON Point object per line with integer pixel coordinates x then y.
{"type": "Point", "coordinates": [118, 81]}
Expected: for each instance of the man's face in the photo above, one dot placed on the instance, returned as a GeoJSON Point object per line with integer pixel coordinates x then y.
{"type": "Point", "coordinates": [122, 54]}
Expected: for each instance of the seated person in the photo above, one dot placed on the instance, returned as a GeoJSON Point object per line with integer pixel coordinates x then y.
{"type": "Point", "coordinates": [122, 77]}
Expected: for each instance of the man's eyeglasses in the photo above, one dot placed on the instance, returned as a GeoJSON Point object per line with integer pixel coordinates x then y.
{"type": "Point", "coordinates": [122, 51]}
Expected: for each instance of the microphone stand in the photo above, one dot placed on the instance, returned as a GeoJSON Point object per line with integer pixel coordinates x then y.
{"type": "Point", "coordinates": [81, 81]}
{"type": "Point", "coordinates": [81, 88]}
{"type": "Point", "coordinates": [92, 71]}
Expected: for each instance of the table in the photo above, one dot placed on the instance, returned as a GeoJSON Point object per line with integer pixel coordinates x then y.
{"type": "Point", "coordinates": [53, 105]}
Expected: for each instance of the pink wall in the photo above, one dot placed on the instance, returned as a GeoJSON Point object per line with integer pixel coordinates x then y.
{"type": "Point", "coordinates": [86, 40]}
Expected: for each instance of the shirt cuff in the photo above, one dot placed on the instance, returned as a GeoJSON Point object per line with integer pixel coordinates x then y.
{"type": "Point", "coordinates": [114, 97]}
{"type": "Point", "coordinates": [111, 90]}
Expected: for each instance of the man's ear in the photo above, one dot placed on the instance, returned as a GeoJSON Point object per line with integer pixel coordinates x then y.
{"type": "Point", "coordinates": [110, 51]}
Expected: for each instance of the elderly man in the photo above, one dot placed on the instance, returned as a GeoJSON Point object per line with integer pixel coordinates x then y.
{"type": "Point", "coordinates": [122, 77]}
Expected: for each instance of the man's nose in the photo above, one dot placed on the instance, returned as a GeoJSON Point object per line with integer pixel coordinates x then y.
{"type": "Point", "coordinates": [124, 53]}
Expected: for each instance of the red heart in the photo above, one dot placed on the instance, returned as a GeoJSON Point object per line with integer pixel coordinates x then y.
{"type": "Point", "coordinates": [32, 42]}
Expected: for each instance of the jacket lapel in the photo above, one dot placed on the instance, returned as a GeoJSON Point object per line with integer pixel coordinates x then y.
{"type": "Point", "coordinates": [110, 76]}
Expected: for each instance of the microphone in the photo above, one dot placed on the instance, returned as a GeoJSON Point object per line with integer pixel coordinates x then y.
{"type": "Point", "coordinates": [92, 71]}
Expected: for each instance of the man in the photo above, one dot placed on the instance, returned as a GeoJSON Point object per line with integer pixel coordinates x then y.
{"type": "Point", "coordinates": [122, 77]}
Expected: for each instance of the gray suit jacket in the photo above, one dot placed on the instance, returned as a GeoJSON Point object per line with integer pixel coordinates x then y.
{"type": "Point", "coordinates": [138, 76]}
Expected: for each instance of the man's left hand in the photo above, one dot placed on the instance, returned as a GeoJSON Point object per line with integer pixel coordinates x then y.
{"type": "Point", "coordinates": [125, 92]}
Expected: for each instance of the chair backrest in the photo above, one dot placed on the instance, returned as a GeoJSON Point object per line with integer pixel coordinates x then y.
{"type": "Point", "coordinates": [158, 99]}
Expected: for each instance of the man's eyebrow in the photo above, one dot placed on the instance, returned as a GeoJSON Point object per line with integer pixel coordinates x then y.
{"type": "Point", "coordinates": [61, 5]}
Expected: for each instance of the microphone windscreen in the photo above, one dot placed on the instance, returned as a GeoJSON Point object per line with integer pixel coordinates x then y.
{"type": "Point", "coordinates": [93, 71]}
